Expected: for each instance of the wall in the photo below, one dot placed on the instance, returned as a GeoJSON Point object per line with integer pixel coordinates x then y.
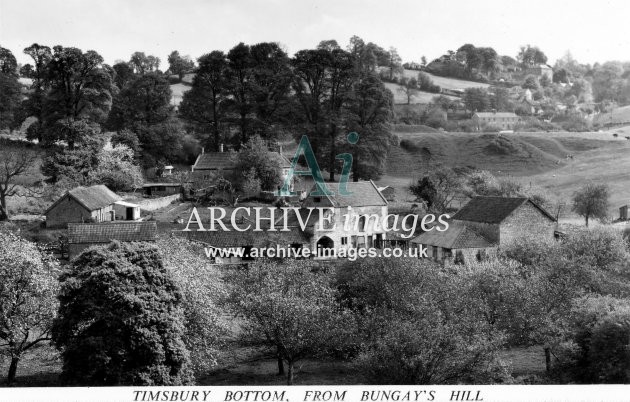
{"type": "Point", "coordinates": [70, 211]}
{"type": "Point", "coordinates": [157, 203]}
{"type": "Point", "coordinates": [527, 220]}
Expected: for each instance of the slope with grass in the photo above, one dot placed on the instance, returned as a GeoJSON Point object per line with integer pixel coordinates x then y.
{"type": "Point", "coordinates": [538, 158]}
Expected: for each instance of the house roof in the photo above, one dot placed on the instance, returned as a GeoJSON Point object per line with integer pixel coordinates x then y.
{"type": "Point", "coordinates": [91, 198]}
{"type": "Point", "coordinates": [362, 194]}
{"type": "Point", "coordinates": [493, 209]}
{"type": "Point", "coordinates": [457, 236]}
{"type": "Point", "coordinates": [93, 233]}
{"type": "Point", "coordinates": [497, 114]}
{"type": "Point", "coordinates": [248, 238]}
{"type": "Point", "coordinates": [228, 160]}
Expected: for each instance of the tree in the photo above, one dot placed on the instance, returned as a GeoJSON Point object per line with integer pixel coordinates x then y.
{"type": "Point", "coordinates": [41, 55]}
{"type": "Point", "coordinates": [143, 102]}
{"type": "Point", "coordinates": [203, 290]}
{"type": "Point", "coordinates": [80, 88]}
{"type": "Point", "coordinates": [238, 79]}
{"type": "Point", "coordinates": [369, 115]}
{"type": "Point", "coordinates": [123, 74]}
{"type": "Point", "coordinates": [438, 189]}
{"type": "Point", "coordinates": [530, 82]}
{"type": "Point", "coordinates": [10, 98]}
{"type": "Point", "coordinates": [143, 64]}
{"type": "Point", "coordinates": [120, 319]}
{"type": "Point", "coordinates": [28, 297]}
{"type": "Point", "coordinates": [116, 169]}
{"type": "Point", "coordinates": [476, 99]}
{"type": "Point", "coordinates": [531, 56]}
{"type": "Point", "coordinates": [8, 63]}
{"type": "Point", "coordinates": [409, 88]}
{"type": "Point", "coordinates": [180, 65]}
{"type": "Point", "coordinates": [14, 163]}
{"type": "Point", "coordinates": [414, 325]}
{"type": "Point", "coordinates": [205, 104]}
{"type": "Point", "coordinates": [258, 165]}
{"type": "Point", "coordinates": [128, 138]}
{"type": "Point", "coordinates": [323, 88]}
{"type": "Point", "coordinates": [290, 307]}
{"type": "Point", "coordinates": [394, 63]}
{"type": "Point", "coordinates": [591, 201]}
{"type": "Point", "coordinates": [72, 166]}
{"type": "Point", "coordinates": [27, 71]}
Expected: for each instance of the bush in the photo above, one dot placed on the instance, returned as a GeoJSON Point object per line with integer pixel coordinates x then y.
{"type": "Point", "coordinates": [409, 146]}
{"type": "Point", "coordinates": [120, 320]}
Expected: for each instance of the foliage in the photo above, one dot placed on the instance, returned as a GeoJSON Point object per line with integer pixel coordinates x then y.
{"type": "Point", "coordinates": [128, 138]}
{"type": "Point", "coordinates": [120, 319]}
{"type": "Point", "coordinates": [14, 163]}
{"type": "Point", "coordinates": [289, 306]}
{"type": "Point", "coordinates": [28, 291]}
{"type": "Point", "coordinates": [476, 99]}
{"type": "Point", "coordinates": [202, 290]}
{"type": "Point", "coordinates": [416, 327]}
{"type": "Point", "coordinates": [116, 169]}
{"type": "Point", "coordinates": [438, 189]}
{"type": "Point", "coordinates": [180, 65]}
{"type": "Point", "coordinates": [10, 98]}
{"type": "Point", "coordinates": [257, 164]}
{"type": "Point", "coordinates": [591, 201]}
{"type": "Point", "coordinates": [531, 56]}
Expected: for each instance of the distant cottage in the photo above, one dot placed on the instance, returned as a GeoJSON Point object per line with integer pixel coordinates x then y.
{"type": "Point", "coordinates": [501, 120]}
{"type": "Point", "coordinates": [486, 223]}
{"type": "Point", "coordinates": [84, 235]}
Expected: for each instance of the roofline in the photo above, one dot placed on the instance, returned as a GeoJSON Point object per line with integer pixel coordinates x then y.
{"type": "Point", "coordinates": [379, 192]}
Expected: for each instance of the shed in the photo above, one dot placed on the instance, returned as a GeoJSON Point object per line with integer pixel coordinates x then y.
{"type": "Point", "coordinates": [82, 204]}
{"type": "Point", "coordinates": [84, 235]}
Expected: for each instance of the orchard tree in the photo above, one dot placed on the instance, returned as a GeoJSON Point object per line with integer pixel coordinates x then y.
{"type": "Point", "coordinates": [120, 319]}
{"type": "Point", "coordinates": [290, 307]}
{"type": "Point", "coordinates": [116, 169]}
{"type": "Point", "coordinates": [592, 201]}
{"type": "Point", "coordinates": [203, 290]}
{"type": "Point", "coordinates": [28, 297]}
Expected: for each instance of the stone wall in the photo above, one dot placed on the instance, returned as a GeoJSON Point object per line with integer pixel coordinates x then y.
{"type": "Point", "coordinates": [526, 221]}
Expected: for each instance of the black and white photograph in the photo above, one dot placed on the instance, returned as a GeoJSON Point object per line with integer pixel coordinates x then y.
{"type": "Point", "coordinates": [317, 201]}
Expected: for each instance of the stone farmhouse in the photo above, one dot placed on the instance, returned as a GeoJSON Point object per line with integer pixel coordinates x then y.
{"type": "Point", "coordinates": [483, 225]}
{"type": "Point", "coordinates": [89, 204]}
{"type": "Point", "coordinates": [501, 120]}
{"type": "Point", "coordinates": [366, 203]}
{"type": "Point", "coordinates": [84, 235]}
{"type": "Point", "coordinates": [364, 200]}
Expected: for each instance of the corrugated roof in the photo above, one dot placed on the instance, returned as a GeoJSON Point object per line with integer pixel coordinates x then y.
{"type": "Point", "coordinates": [457, 236]}
{"type": "Point", "coordinates": [362, 194]}
{"type": "Point", "coordinates": [92, 233]}
{"type": "Point", "coordinates": [493, 209]}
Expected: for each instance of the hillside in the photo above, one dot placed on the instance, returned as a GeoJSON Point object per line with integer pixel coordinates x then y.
{"type": "Point", "coordinates": [620, 115]}
{"type": "Point", "coordinates": [539, 158]}
{"type": "Point", "coordinates": [446, 82]}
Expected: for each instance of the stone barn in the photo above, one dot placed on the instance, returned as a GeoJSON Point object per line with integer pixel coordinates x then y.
{"type": "Point", "coordinates": [82, 204]}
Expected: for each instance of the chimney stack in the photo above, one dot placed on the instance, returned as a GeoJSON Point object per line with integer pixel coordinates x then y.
{"type": "Point", "coordinates": [203, 150]}
{"type": "Point", "coordinates": [220, 147]}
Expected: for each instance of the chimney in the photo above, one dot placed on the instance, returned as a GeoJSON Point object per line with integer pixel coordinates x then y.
{"type": "Point", "coordinates": [220, 147]}
{"type": "Point", "coordinates": [280, 149]}
{"type": "Point", "coordinates": [203, 150]}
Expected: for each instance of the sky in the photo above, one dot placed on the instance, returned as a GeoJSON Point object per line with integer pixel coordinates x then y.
{"type": "Point", "coordinates": [593, 31]}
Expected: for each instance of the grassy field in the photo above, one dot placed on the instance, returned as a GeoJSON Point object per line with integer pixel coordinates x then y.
{"type": "Point", "coordinates": [536, 158]}
{"type": "Point", "coordinates": [620, 115]}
